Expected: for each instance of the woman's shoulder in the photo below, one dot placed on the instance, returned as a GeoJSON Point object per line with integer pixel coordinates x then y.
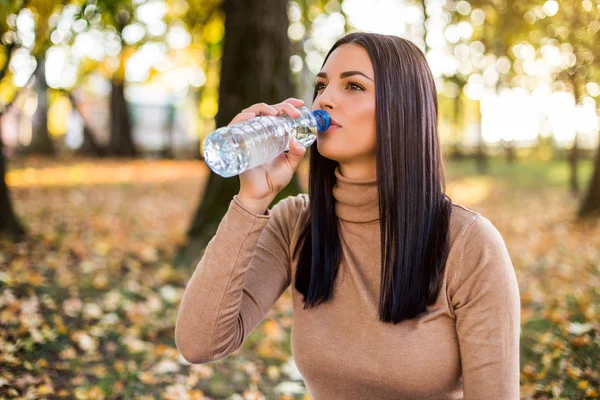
{"type": "Point", "coordinates": [461, 219]}
{"type": "Point", "coordinates": [477, 247]}
{"type": "Point", "coordinates": [466, 222]}
{"type": "Point", "coordinates": [474, 236]}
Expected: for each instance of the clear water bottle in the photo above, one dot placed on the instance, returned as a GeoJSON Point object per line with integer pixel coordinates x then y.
{"type": "Point", "coordinates": [230, 150]}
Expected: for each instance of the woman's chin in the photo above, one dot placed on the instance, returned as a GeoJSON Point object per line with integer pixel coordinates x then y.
{"type": "Point", "coordinates": [326, 151]}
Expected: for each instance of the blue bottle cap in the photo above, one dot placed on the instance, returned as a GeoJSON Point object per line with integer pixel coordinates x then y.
{"type": "Point", "coordinates": [323, 120]}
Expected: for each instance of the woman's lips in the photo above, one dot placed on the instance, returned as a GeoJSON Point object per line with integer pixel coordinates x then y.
{"type": "Point", "coordinates": [332, 128]}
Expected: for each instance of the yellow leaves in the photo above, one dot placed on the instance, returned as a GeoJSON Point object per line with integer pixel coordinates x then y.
{"type": "Point", "coordinates": [201, 371]}
{"type": "Point", "coordinates": [528, 371]}
{"type": "Point", "coordinates": [215, 29]}
{"type": "Point", "coordinates": [273, 372]}
{"type": "Point", "coordinates": [35, 278]}
{"type": "Point", "coordinates": [102, 248]}
{"type": "Point", "coordinates": [58, 114]}
{"type": "Point", "coordinates": [8, 316]}
{"type": "Point", "coordinates": [115, 292]}
{"type": "Point", "coordinates": [269, 346]}
{"type": "Point", "coordinates": [580, 341]}
{"type": "Point", "coordinates": [44, 390]}
{"type": "Point", "coordinates": [470, 192]}
{"type": "Point", "coordinates": [99, 371]}
{"type": "Point", "coordinates": [137, 313]}
{"type": "Point", "coordinates": [573, 372]}
{"type": "Point", "coordinates": [166, 273]}
{"type": "Point", "coordinates": [100, 281]}
{"type": "Point", "coordinates": [162, 350]}
{"type": "Point", "coordinates": [273, 331]}
{"type": "Point", "coordinates": [196, 394]}
{"type": "Point", "coordinates": [209, 104]}
{"type": "Point", "coordinates": [109, 172]}
{"type": "Point", "coordinates": [93, 393]}
{"type": "Point", "coordinates": [148, 254]}
{"type": "Point", "coordinates": [60, 326]}
{"type": "Point", "coordinates": [119, 366]}
{"type": "Point", "coordinates": [147, 378]}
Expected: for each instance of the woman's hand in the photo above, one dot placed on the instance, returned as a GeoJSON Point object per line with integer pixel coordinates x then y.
{"type": "Point", "coordinates": [260, 185]}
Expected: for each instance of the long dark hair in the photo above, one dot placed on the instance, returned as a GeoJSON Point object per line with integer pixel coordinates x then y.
{"type": "Point", "coordinates": [413, 207]}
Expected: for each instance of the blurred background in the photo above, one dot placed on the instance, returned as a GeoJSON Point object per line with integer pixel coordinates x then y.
{"type": "Point", "coordinates": [106, 204]}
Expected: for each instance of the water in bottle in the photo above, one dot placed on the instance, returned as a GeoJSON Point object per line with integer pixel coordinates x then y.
{"type": "Point", "coordinates": [230, 150]}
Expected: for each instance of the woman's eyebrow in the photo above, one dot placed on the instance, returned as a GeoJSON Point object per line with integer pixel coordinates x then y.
{"type": "Point", "coordinates": [344, 74]}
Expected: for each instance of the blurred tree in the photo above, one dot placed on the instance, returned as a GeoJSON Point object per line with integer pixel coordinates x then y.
{"type": "Point", "coordinates": [590, 206]}
{"type": "Point", "coordinates": [572, 26]}
{"type": "Point", "coordinates": [89, 146]}
{"type": "Point", "coordinates": [456, 149]}
{"type": "Point", "coordinates": [9, 223]}
{"type": "Point", "coordinates": [254, 68]}
{"type": "Point", "coordinates": [115, 15]}
{"type": "Point", "coordinates": [499, 26]}
{"type": "Point", "coordinates": [204, 20]}
{"type": "Point", "coordinates": [41, 143]}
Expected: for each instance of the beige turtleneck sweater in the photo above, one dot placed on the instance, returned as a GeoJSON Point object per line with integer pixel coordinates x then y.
{"type": "Point", "coordinates": [466, 346]}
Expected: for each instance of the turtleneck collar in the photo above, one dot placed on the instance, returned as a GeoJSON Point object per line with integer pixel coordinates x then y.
{"type": "Point", "coordinates": [356, 199]}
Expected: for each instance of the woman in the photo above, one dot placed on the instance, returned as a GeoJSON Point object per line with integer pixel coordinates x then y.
{"type": "Point", "coordinates": [397, 292]}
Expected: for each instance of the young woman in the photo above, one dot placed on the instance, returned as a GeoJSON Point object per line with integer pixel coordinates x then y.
{"type": "Point", "coordinates": [397, 292]}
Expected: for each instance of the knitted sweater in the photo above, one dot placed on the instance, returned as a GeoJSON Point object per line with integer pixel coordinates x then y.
{"type": "Point", "coordinates": [465, 346]}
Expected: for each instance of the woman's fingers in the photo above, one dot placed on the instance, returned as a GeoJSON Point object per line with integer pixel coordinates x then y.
{"type": "Point", "coordinates": [294, 101]}
{"type": "Point", "coordinates": [261, 109]}
{"type": "Point", "coordinates": [243, 116]}
{"type": "Point", "coordinates": [289, 107]}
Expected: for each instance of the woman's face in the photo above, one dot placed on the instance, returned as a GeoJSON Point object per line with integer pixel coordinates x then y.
{"type": "Point", "coordinates": [350, 100]}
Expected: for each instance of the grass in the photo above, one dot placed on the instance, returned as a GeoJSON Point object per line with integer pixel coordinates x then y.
{"type": "Point", "coordinates": [88, 304]}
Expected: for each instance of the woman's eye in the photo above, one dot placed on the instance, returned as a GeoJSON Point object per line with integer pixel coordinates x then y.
{"type": "Point", "coordinates": [318, 86]}
{"type": "Point", "coordinates": [355, 85]}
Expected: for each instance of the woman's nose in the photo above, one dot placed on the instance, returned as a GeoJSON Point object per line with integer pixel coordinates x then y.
{"type": "Point", "coordinates": [325, 100]}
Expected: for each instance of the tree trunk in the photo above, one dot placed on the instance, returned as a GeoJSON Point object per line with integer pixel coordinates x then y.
{"type": "Point", "coordinates": [511, 151]}
{"type": "Point", "coordinates": [481, 159]}
{"type": "Point", "coordinates": [40, 137]}
{"type": "Point", "coordinates": [574, 164]}
{"type": "Point", "coordinates": [590, 206]}
{"type": "Point", "coordinates": [120, 143]}
{"type": "Point", "coordinates": [574, 153]}
{"type": "Point", "coordinates": [168, 151]}
{"type": "Point", "coordinates": [90, 146]}
{"type": "Point", "coordinates": [456, 153]}
{"type": "Point", "coordinates": [254, 69]}
{"type": "Point", "coordinates": [9, 224]}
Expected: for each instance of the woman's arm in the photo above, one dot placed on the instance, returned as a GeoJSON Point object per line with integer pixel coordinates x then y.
{"type": "Point", "coordinates": [244, 270]}
{"type": "Point", "coordinates": [487, 305]}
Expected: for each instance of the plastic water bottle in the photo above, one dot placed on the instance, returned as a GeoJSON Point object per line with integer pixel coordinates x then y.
{"type": "Point", "coordinates": [230, 150]}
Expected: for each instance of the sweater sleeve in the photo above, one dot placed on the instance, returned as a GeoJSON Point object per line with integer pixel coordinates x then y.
{"type": "Point", "coordinates": [243, 271]}
{"type": "Point", "coordinates": [486, 305]}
